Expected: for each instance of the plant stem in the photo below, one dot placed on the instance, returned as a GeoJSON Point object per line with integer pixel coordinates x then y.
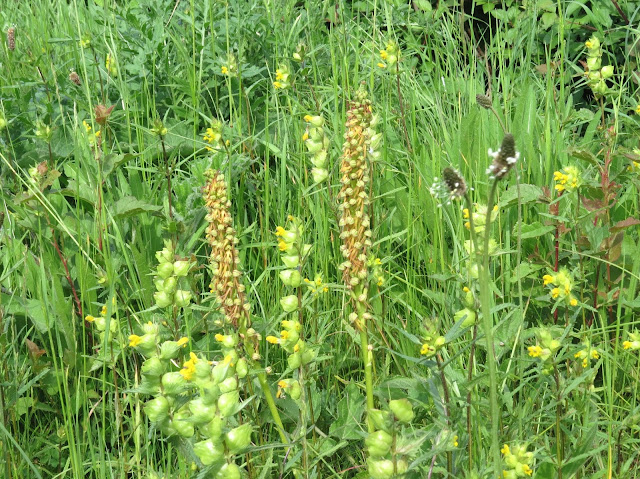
{"type": "Point", "coordinates": [367, 357]}
{"type": "Point", "coordinates": [487, 322]}
{"type": "Point", "coordinates": [266, 390]}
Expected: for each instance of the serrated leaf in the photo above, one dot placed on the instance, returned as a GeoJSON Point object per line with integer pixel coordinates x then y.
{"type": "Point", "coordinates": [130, 206]}
{"type": "Point", "coordinates": [350, 410]}
{"type": "Point", "coordinates": [627, 223]}
{"type": "Point", "coordinates": [523, 270]}
{"type": "Point", "coordinates": [583, 155]}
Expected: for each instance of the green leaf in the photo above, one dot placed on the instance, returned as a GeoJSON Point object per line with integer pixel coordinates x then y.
{"type": "Point", "coordinates": [528, 194]}
{"type": "Point", "coordinates": [546, 470]}
{"type": "Point", "coordinates": [523, 270]}
{"type": "Point", "coordinates": [131, 206]}
{"type": "Point", "coordinates": [534, 230]}
{"type": "Point", "coordinates": [350, 410]}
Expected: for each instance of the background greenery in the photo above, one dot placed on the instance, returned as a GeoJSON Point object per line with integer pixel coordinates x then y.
{"type": "Point", "coordinates": [86, 229]}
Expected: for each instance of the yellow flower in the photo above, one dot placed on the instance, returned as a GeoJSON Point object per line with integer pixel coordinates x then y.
{"type": "Point", "coordinates": [284, 334]}
{"type": "Point", "coordinates": [189, 367]}
{"type": "Point", "coordinates": [588, 44]}
{"type": "Point", "coordinates": [527, 470]}
{"type": "Point", "coordinates": [573, 301]}
{"type": "Point", "coordinates": [219, 337]}
{"type": "Point", "coordinates": [86, 125]}
{"type": "Point", "coordinates": [183, 341]}
{"type": "Point", "coordinates": [277, 85]}
{"type": "Point", "coordinates": [91, 319]}
{"type": "Point", "coordinates": [280, 231]}
{"type": "Point", "coordinates": [424, 349]}
{"type": "Point", "coordinates": [305, 136]}
{"type": "Point", "coordinates": [625, 345]}
{"type": "Point", "coordinates": [555, 292]}
{"type": "Point", "coordinates": [595, 354]}
{"type": "Point", "coordinates": [505, 450]}
{"type": "Point", "coordinates": [228, 359]}
{"type": "Point", "coordinates": [272, 340]}
{"type": "Point", "coordinates": [535, 351]}
{"type": "Point", "coordinates": [134, 340]}
{"type": "Point", "coordinates": [547, 278]}
{"type": "Point", "coordinates": [279, 75]}
{"type": "Point", "coordinates": [381, 65]}
{"type": "Point", "coordinates": [224, 70]}
{"type": "Point", "coordinates": [383, 54]}
{"type": "Point", "coordinates": [455, 441]}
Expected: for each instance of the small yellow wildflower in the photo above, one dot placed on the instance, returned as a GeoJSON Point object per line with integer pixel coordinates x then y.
{"type": "Point", "coordinates": [134, 340]}
{"type": "Point", "coordinates": [219, 337]}
{"type": "Point", "coordinates": [425, 349]}
{"type": "Point", "coordinates": [455, 441]}
{"type": "Point", "coordinates": [527, 470]}
{"type": "Point", "coordinates": [280, 231]}
{"type": "Point", "coordinates": [535, 351]}
{"type": "Point", "coordinates": [272, 340]}
{"type": "Point", "coordinates": [91, 319]}
{"type": "Point", "coordinates": [183, 341]}
{"type": "Point", "coordinates": [547, 279]}
{"type": "Point", "coordinates": [555, 292]}
{"type": "Point", "coordinates": [305, 136]}
{"type": "Point", "coordinates": [284, 334]}
{"type": "Point", "coordinates": [189, 367]}
{"type": "Point", "coordinates": [573, 301]}
{"type": "Point", "coordinates": [638, 109]}
{"type": "Point", "coordinates": [625, 345]}
{"type": "Point", "coordinates": [224, 70]}
{"type": "Point", "coordinates": [277, 85]}
{"type": "Point", "coordinates": [381, 65]}
{"type": "Point", "coordinates": [228, 359]}
{"type": "Point", "coordinates": [87, 126]}
{"type": "Point", "coordinates": [505, 449]}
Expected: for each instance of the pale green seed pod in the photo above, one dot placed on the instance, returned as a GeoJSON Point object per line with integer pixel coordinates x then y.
{"type": "Point", "coordinates": [382, 469]}
{"type": "Point", "coordinates": [228, 402]}
{"type": "Point", "coordinates": [173, 383]}
{"type": "Point", "coordinates": [402, 410]}
{"type": "Point", "coordinates": [209, 451]}
{"type": "Point", "coordinates": [169, 285]}
{"type": "Point", "coordinates": [381, 419]}
{"type": "Point", "coordinates": [181, 268]}
{"type": "Point", "coordinates": [163, 299]}
{"type": "Point", "coordinates": [228, 385]}
{"type": "Point", "coordinates": [238, 438]}
{"type": "Point", "coordinates": [170, 349]}
{"type": "Point", "coordinates": [165, 270]}
{"type": "Point", "coordinates": [289, 303]}
{"type": "Point", "coordinates": [378, 443]}
{"type": "Point", "coordinates": [201, 413]}
{"type": "Point", "coordinates": [291, 261]}
{"type": "Point", "coordinates": [294, 360]}
{"type": "Point", "coordinates": [242, 368]}
{"type": "Point", "coordinates": [213, 429]}
{"type": "Point", "coordinates": [157, 409]}
{"type": "Point", "coordinates": [182, 298]}
{"type": "Point", "coordinates": [229, 471]}
{"type": "Point", "coordinates": [153, 367]}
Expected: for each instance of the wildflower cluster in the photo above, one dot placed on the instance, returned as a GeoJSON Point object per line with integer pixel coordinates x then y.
{"type": "Point", "coordinates": [586, 354]}
{"type": "Point", "coordinates": [199, 401]}
{"type": "Point", "coordinates": [562, 284]}
{"type": "Point", "coordinates": [383, 443]}
{"type": "Point", "coordinates": [316, 285]}
{"type": "Point", "coordinates": [504, 159]}
{"type": "Point", "coordinates": [105, 322]}
{"type": "Point", "coordinates": [516, 461]}
{"type": "Point", "coordinates": [282, 81]}
{"type": "Point", "coordinates": [226, 283]}
{"type": "Point", "coordinates": [317, 144]}
{"type": "Point", "coordinates": [468, 314]}
{"type": "Point", "coordinates": [360, 140]}
{"type": "Point", "coordinates": [633, 343]}
{"type": "Point", "coordinates": [596, 75]}
{"type": "Point", "coordinates": [213, 136]}
{"type": "Point", "coordinates": [568, 179]}
{"type": "Point", "coordinates": [377, 272]}
{"type": "Point", "coordinates": [94, 138]}
{"type": "Point", "coordinates": [230, 66]}
{"type": "Point", "coordinates": [389, 56]}
{"type": "Point", "coordinates": [110, 65]}
{"type": "Point", "coordinates": [293, 252]}
{"type": "Point", "coordinates": [432, 340]}
{"type": "Point", "coordinates": [43, 131]}
{"type": "Point", "coordinates": [169, 272]}
{"type": "Point", "coordinates": [545, 349]}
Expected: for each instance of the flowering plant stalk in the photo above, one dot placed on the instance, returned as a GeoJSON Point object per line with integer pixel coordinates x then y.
{"type": "Point", "coordinates": [226, 283]}
{"type": "Point", "coordinates": [360, 141]}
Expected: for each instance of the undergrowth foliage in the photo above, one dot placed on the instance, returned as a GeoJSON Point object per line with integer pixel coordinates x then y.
{"type": "Point", "coordinates": [221, 257]}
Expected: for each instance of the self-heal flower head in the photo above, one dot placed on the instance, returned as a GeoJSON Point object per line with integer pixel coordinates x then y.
{"type": "Point", "coordinates": [568, 179]}
{"type": "Point", "coordinates": [504, 159]}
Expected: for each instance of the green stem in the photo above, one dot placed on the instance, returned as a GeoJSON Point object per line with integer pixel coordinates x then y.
{"type": "Point", "coordinates": [487, 323]}
{"type": "Point", "coordinates": [266, 390]}
{"type": "Point", "coordinates": [367, 357]}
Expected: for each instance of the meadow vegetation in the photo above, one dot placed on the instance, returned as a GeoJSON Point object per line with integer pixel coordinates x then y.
{"type": "Point", "coordinates": [313, 239]}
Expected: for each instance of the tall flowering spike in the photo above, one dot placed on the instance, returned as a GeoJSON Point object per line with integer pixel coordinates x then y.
{"type": "Point", "coordinates": [224, 259]}
{"type": "Point", "coordinates": [11, 38]}
{"type": "Point", "coordinates": [355, 223]}
{"type": "Point", "coordinates": [504, 158]}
